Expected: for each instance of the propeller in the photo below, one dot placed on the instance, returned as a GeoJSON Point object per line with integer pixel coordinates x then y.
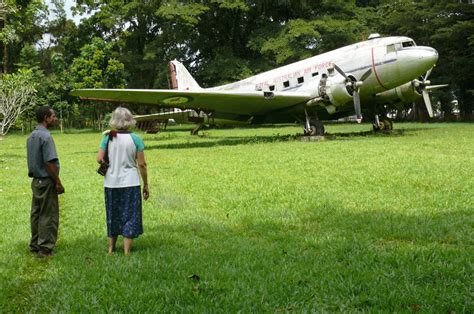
{"type": "Point", "coordinates": [423, 87]}
{"type": "Point", "coordinates": [426, 96]}
{"type": "Point", "coordinates": [436, 86]}
{"type": "Point", "coordinates": [353, 85]}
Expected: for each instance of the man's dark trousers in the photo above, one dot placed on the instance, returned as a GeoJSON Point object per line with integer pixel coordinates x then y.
{"type": "Point", "coordinates": [44, 215]}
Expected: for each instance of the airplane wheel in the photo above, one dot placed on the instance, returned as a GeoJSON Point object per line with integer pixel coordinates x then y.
{"type": "Point", "coordinates": [196, 130]}
{"type": "Point", "coordinates": [387, 125]}
{"type": "Point", "coordinates": [317, 128]}
{"type": "Point", "coordinates": [384, 125]}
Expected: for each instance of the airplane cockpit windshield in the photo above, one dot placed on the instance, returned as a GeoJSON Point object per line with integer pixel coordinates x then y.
{"type": "Point", "coordinates": [398, 46]}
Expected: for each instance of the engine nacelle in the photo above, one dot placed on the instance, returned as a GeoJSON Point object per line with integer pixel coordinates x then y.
{"type": "Point", "coordinates": [406, 93]}
{"type": "Point", "coordinates": [337, 91]}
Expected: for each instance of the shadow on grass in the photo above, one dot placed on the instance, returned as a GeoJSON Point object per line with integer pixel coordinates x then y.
{"type": "Point", "coordinates": [200, 142]}
{"type": "Point", "coordinates": [327, 259]}
{"type": "Point", "coordinates": [228, 141]}
{"type": "Point", "coordinates": [82, 152]}
{"type": "Point", "coordinates": [80, 131]}
{"type": "Point", "coordinates": [12, 156]}
{"type": "Point", "coordinates": [366, 133]}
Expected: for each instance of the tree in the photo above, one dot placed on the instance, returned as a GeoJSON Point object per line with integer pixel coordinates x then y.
{"type": "Point", "coordinates": [7, 33]}
{"type": "Point", "coordinates": [64, 36]}
{"type": "Point", "coordinates": [96, 67]}
{"type": "Point", "coordinates": [17, 94]}
{"type": "Point", "coordinates": [23, 26]}
{"type": "Point", "coordinates": [447, 26]}
{"type": "Point", "coordinates": [136, 31]}
{"type": "Point", "coordinates": [454, 40]}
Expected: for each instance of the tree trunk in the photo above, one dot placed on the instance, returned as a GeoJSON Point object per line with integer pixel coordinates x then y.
{"type": "Point", "coordinates": [5, 49]}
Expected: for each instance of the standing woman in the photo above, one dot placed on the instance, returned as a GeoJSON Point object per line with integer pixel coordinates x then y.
{"type": "Point", "coordinates": [123, 199]}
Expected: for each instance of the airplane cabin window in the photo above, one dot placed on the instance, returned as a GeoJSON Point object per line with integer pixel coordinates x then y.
{"type": "Point", "coordinates": [272, 87]}
{"type": "Point", "coordinates": [286, 84]}
{"type": "Point", "coordinates": [300, 80]}
{"type": "Point", "coordinates": [314, 74]}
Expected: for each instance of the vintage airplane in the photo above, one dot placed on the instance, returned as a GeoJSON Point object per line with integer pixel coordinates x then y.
{"type": "Point", "coordinates": [327, 86]}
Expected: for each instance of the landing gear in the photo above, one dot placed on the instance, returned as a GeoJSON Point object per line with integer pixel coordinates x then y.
{"type": "Point", "coordinates": [196, 129]}
{"type": "Point", "coordinates": [383, 124]}
{"type": "Point", "coordinates": [313, 126]}
{"type": "Point", "coordinates": [152, 127]}
{"type": "Point", "coordinates": [316, 128]}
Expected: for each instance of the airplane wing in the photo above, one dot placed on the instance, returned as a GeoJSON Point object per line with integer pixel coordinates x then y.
{"type": "Point", "coordinates": [251, 103]}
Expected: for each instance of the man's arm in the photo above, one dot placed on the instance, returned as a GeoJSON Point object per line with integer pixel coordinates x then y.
{"type": "Point", "coordinates": [53, 170]}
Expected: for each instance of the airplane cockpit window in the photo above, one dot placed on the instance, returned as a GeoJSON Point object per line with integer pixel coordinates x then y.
{"type": "Point", "coordinates": [398, 46]}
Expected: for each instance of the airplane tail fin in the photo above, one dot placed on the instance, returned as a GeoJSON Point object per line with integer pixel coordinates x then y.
{"type": "Point", "coordinates": [181, 79]}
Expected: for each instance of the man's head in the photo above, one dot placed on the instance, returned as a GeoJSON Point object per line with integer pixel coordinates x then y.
{"type": "Point", "coordinates": [45, 115]}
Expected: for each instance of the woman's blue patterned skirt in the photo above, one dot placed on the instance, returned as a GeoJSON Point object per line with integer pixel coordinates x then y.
{"type": "Point", "coordinates": [124, 211]}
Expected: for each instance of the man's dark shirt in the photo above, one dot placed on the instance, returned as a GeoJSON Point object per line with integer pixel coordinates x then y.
{"type": "Point", "coordinates": [40, 149]}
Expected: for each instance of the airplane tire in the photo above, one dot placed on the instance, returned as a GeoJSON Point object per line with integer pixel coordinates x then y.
{"type": "Point", "coordinates": [384, 125]}
{"type": "Point", "coordinates": [317, 128]}
{"type": "Point", "coordinates": [196, 130]}
{"type": "Point", "coordinates": [387, 125]}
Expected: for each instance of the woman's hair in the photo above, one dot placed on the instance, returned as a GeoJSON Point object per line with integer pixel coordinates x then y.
{"type": "Point", "coordinates": [122, 119]}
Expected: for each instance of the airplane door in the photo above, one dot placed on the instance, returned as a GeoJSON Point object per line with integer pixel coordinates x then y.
{"type": "Point", "coordinates": [385, 66]}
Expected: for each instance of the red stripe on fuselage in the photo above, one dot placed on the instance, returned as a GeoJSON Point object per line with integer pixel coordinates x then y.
{"type": "Point", "coordinates": [375, 72]}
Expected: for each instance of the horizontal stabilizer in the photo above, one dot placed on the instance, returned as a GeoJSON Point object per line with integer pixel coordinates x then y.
{"type": "Point", "coordinates": [175, 115]}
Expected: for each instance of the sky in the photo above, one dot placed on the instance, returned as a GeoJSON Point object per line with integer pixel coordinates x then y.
{"type": "Point", "coordinates": [67, 6]}
{"type": "Point", "coordinates": [46, 40]}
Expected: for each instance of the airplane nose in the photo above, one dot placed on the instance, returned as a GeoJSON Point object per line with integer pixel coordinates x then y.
{"type": "Point", "coordinates": [428, 56]}
{"type": "Point", "coordinates": [417, 60]}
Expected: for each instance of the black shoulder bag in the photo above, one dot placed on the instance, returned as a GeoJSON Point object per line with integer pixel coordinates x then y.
{"type": "Point", "coordinates": [104, 165]}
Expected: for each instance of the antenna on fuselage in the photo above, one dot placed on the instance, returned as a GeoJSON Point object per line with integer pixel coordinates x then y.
{"type": "Point", "coordinates": [374, 35]}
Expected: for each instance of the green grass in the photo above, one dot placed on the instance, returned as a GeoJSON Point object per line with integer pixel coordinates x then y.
{"type": "Point", "coordinates": [267, 223]}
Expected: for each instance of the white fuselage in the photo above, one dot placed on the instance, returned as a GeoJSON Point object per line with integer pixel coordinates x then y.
{"type": "Point", "coordinates": [394, 61]}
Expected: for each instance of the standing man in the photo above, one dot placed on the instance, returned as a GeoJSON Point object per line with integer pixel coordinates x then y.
{"type": "Point", "coordinates": [43, 167]}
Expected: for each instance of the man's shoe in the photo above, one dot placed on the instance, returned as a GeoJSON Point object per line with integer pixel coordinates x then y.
{"type": "Point", "coordinates": [43, 253]}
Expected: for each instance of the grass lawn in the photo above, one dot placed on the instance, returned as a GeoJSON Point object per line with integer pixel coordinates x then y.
{"type": "Point", "coordinates": [255, 220]}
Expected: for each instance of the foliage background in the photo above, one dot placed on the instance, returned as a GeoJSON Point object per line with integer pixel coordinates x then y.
{"type": "Point", "coordinates": [129, 43]}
